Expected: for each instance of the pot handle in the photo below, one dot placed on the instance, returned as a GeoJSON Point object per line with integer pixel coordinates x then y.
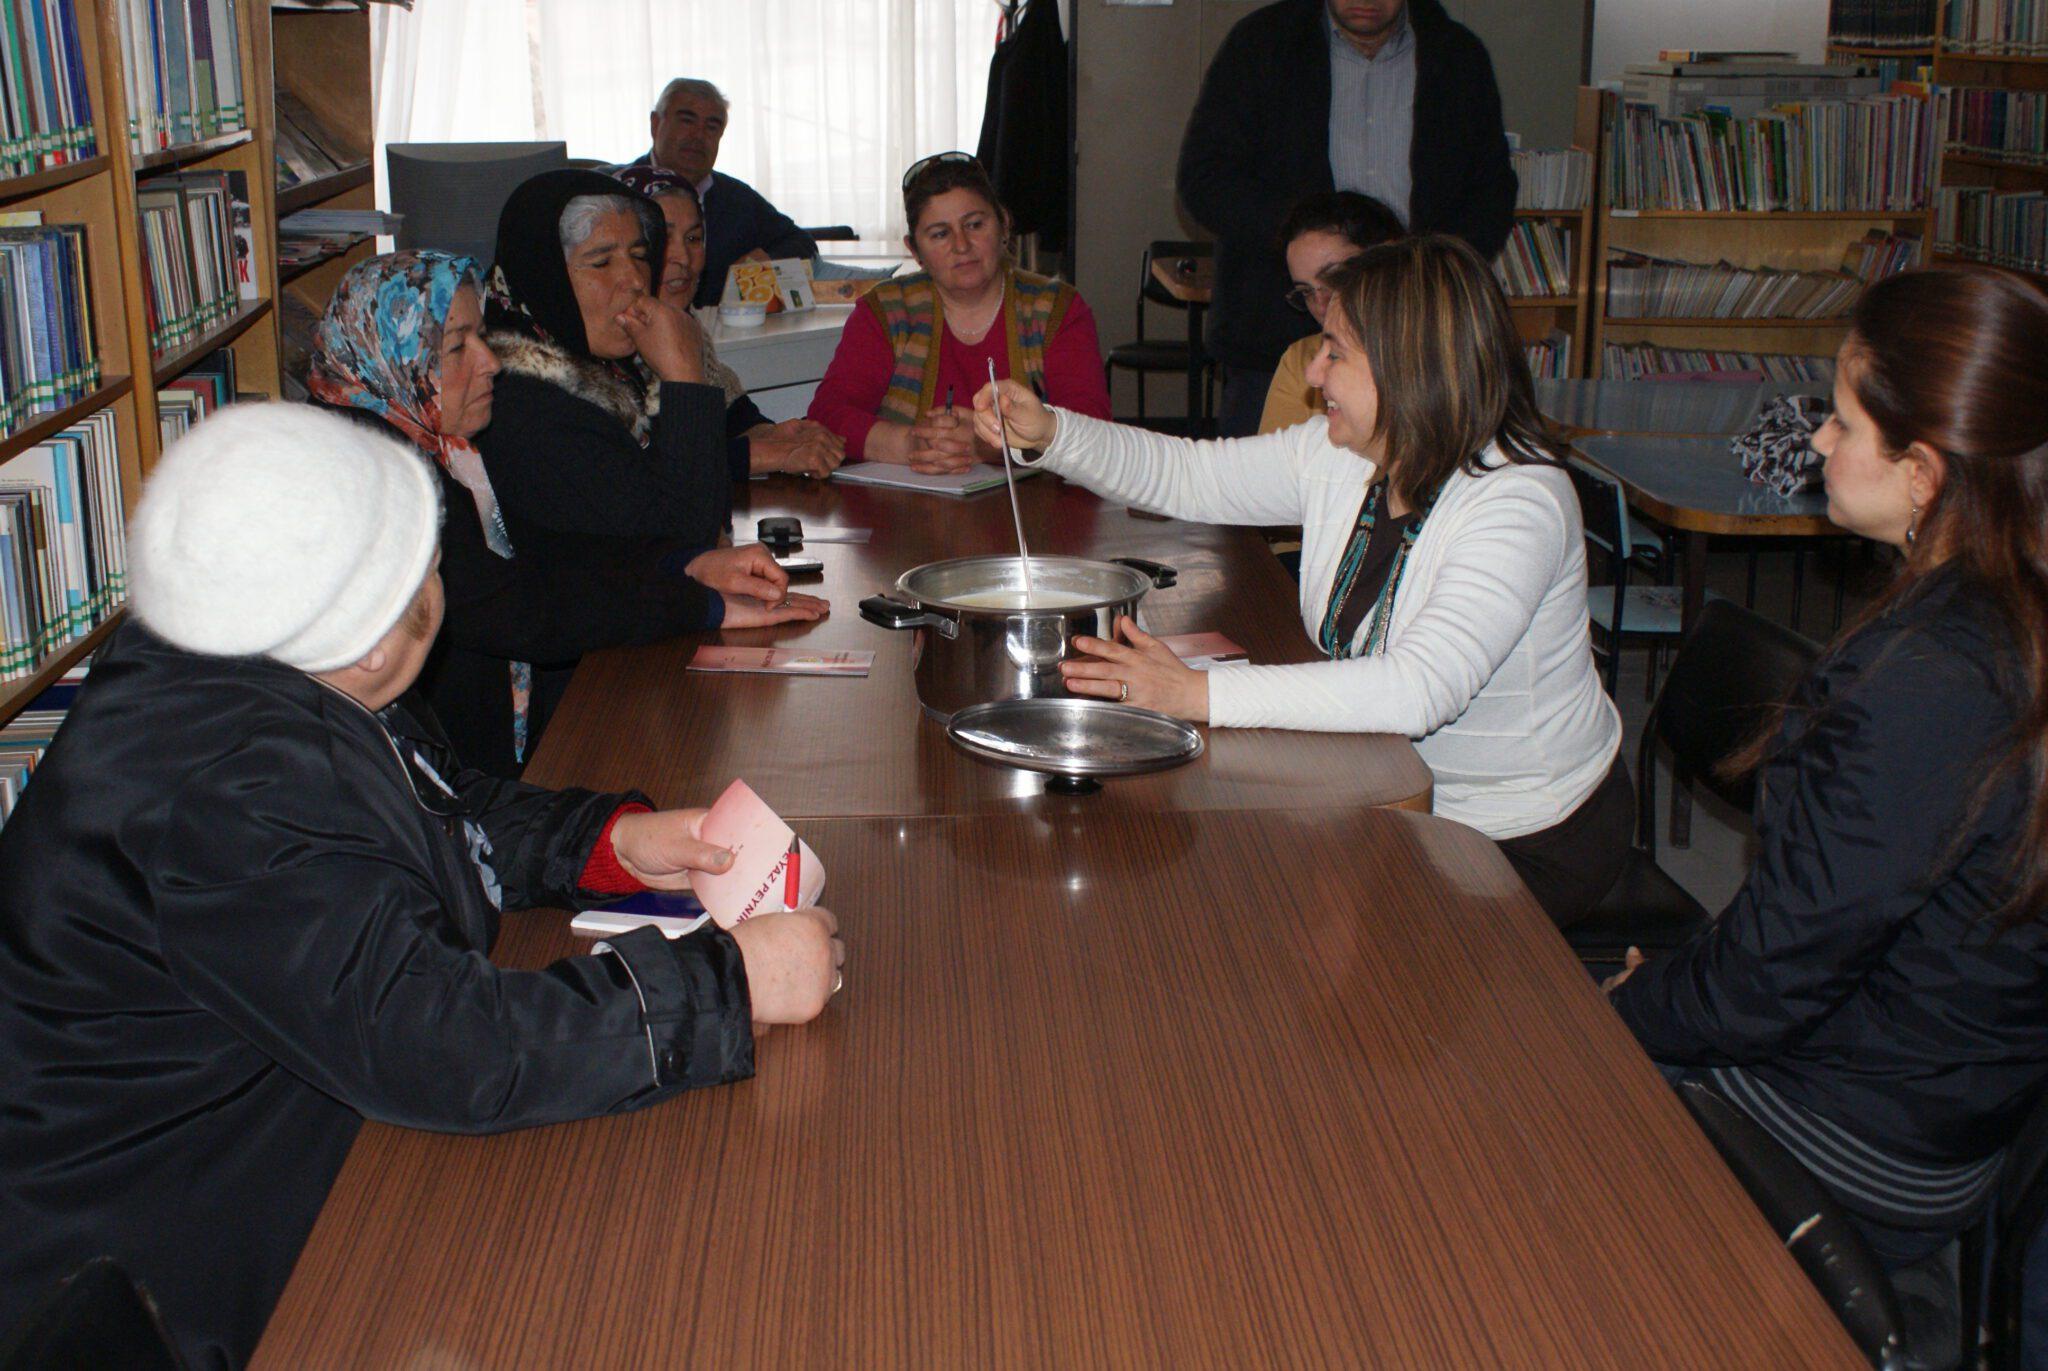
{"type": "Point", "coordinates": [888, 613]}
{"type": "Point", "coordinates": [1162, 575]}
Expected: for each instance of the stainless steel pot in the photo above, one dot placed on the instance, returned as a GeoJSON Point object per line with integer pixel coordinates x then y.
{"type": "Point", "coordinates": [975, 653]}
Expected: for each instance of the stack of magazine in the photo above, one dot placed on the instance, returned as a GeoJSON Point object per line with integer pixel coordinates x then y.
{"type": "Point", "coordinates": [306, 151]}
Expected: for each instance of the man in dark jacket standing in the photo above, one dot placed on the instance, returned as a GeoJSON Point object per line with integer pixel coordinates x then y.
{"type": "Point", "coordinates": [686, 126]}
{"type": "Point", "coordinates": [1389, 98]}
{"type": "Point", "coordinates": [247, 901]}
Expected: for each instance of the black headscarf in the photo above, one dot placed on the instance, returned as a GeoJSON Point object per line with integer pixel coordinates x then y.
{"type": "Point", "coordinates": [529, 290]}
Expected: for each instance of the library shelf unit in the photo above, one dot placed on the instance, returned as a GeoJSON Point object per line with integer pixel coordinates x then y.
{"type": "Point", "coordinates": [1537, 317]}
{"type": "Point", "coordinates": [98, 193]}
{"type": "Point", "coordinates": [321, 57]}
{"type": "Point", "coordinates": [1986, 167]}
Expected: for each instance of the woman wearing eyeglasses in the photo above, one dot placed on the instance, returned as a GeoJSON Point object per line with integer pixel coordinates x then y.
{"type": "Point", "coordinates": [917, 348]}
{"type": "Point", "coordinates": [1321, 232]}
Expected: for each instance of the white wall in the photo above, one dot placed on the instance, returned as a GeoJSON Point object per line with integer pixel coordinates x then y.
{"type": "Point", "coordinates": [1626, 31]}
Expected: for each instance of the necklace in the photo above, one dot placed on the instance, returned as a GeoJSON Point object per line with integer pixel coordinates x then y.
{"type": "Point", "coordinates": [975, 333]}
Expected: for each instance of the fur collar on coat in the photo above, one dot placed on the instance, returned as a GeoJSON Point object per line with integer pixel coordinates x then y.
{"type": "Point", "coordinates": [587, 379]}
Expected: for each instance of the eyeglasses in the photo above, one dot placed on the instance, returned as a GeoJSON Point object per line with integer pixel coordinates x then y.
{"type": "Point", "coordinates": [1304, 297]}
{"type": "Point", "coordinates": [923, 164]}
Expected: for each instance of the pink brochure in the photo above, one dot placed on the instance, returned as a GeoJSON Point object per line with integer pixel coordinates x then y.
{"type": "Point", "coordinates": [1204, 650]}
{"type": "Point", "coordinates": [760, 880]}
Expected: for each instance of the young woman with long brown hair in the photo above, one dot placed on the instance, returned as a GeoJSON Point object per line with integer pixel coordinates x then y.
{"type": "Point", "coordinates": [1443, 565]}
{"type": "Point", "coordinates": [1877, 993]}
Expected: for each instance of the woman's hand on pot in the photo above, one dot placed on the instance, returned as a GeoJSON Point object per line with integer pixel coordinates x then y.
{"type": "Point", "coordinates": [744, 611]}
{"type": "Point", "coordinates": [1032, 425]}
{"type": "Point", "coordinates": [667, 339]}
{"type": "Point", "coordinates": [749, 571]}
{"type": "Point", "coordinates": [1138, 670]}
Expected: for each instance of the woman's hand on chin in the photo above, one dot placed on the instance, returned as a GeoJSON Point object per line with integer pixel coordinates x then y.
{"type": "Point", "coordinates": [666, 338]}
{"type": "Point", "coordinates": [1139, 670]}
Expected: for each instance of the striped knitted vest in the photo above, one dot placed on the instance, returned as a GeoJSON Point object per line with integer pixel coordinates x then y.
{"type": "Point", "coordinates": [909, 310]}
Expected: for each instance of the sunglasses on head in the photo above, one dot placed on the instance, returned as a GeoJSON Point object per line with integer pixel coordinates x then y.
{"type": "Point", "coordinates": [924, 164]}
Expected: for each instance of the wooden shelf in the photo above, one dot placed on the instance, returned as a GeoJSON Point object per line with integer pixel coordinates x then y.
{"type": "Point", "coordinates": [1954, 55]}
{"type": "Point", "coordinates": [1994, 162]}
{"type": "Point", "coordinates": [1957, 259]}
{"type": "Point", "coordinates": [1549, 213]}
{"type": "Point", "coordinates": [1542, 301]}
{"type": "Point", "coordinates": [1610, 321]}
{"type": "Point", "coordinates": [1855, 50]}
{"type": "Point", "coordinates": [291, 199]}
{"type": "Point", "coordinates": [186, 153]}
{"type": "Point", "coordinates": [36, 182]}
{"type": "Point", "coordinates": [169, 366]}
{"type": "Point", "coordinates": [293, 271]}
{"type": "Point", "coordinates": [111, 389]}
{"type": "Point", "coordinates": [1769, 215]}
{"type": "Point", "coordinates": [17, 694]}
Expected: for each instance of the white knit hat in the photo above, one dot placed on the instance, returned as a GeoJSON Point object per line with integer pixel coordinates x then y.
{"type": "Point", "coordinates": [282, 531]}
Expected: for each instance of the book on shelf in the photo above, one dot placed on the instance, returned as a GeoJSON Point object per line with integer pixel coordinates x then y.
{"type": "Point", "coordinates": [306, 149]}
{"type": "Point", "coordinates": [1882, 23]}
{"type": "Point", "coordinates": [63, 557]}
{"type": "Point", "coordinates": [197, 253]}
{"type": "Point", "coordinates": [1996, 28]}
{"type": "Point", "coordinates": [298, 248]}
{"type": "Point", "coordinates": [1550, 357]}
{"type": "Point", "coordinates": [1640, 286]}
{"type": "Point", "coordinates": [1537, 260]}
{"type": "Point", "coordinates": [1984, 225]}
{"type": "Point", "coordinates": [1741, 90]}
{"type": "Point", "coordinates": [28, 735]}
{"type": "Point", "coordinates": [1992, 121]}
{"type": "Point", "coordinates": [1553, 178]}
{"type": "Point", "coordinates": [48, 358]}
{"type": "Point", "coordinates": [1649, 362]}
{"type": "Point", "coordinates": [183, 67]}
{"type": "Point", "coordinates": [199, 390]}
{"type": "Point", "coordinates": [45, 101]}
{"type": "Point", "coordinates": [1870, 154]}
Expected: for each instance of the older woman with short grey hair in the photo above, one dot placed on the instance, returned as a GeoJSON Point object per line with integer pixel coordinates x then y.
{"type": "Point", "coordinates": [605, 422]}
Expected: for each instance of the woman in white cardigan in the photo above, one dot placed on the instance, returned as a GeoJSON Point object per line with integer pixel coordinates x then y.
{"type": "Point", "coordinates": [1443, 564]}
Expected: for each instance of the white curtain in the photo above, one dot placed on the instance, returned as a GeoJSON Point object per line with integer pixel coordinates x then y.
{"type": "Point", "coordinates": [831, 99]}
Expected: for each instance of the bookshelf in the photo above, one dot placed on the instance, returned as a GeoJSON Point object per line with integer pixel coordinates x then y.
{"type": "Point", "coordinates": [1813, 240]}
{"type": "Point", "coordinates": [321, 58]}
{"type": "Point", "coordinates": [98, 193]}
{"type": "Point", "coordinates": [1537, 317]}
{"type": "Point", "coordinates": [1969, 167]}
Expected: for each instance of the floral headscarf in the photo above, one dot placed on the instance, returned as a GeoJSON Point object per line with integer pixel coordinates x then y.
{"type": "Point", "coordinates": [378, 349]}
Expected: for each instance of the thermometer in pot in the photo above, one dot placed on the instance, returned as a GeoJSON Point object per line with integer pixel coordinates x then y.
{"type": "Point", "coordinates": [1010, 479]}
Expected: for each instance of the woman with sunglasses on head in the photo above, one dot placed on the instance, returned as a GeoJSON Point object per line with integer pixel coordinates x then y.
{"type": "Point", "coordinates": [1443, 569]}
{"type": "Point", "coordinates": [918, 347]}
{"type": "Point", "coordinates": [1876, 995]}
{"type": "Point", "coordinates": [1322, 231]}
{"type": "Point", "coordinates": [755, 445]}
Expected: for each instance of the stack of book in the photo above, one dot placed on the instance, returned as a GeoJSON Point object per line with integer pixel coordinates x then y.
{"type": "Point", "coordinates": [47, 356]}
{"type": "Point", "coordinates": [2011, 125]}
{"type": "Point", "coordinates": [63, 560]}
{"type": "Point", "coordinates": [306, 151]}
{"type": "Point", "coordinates": [1985, 226]}
{"type": "Point", "coordinates": [1550, 359]}
{"type": "Point", "coordinates": [1739, 84]}
{"type": "Point", "coordinates": [1869, 154]}
{"type": "Point", "coordinates": [28, 735]}
{"type": "Point", "coordinates": [200, 389]}
{"type": "Point", "coordinates": [1644, 287]}
{"type": "Point", "coordinates": [1553, 178]}
{"type": "Point", "coordinates": [1537, 261]}
{"type": "Point", "coordinates": [1648, 362]}
{"type": "Point", "coordinates": [45, 106]}
{"type": "Point", "coordinates": [2007, 28]}
{"type": "Point", "coordinates": [197, 253]}
{"type": "Point", "coordinates": [183, 65]}
{"type": "Point", "coordinates": [1882, 23]}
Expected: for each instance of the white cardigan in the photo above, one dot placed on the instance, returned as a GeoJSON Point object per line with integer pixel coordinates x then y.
{"type": "Point", "coordinates": [1488, 663]}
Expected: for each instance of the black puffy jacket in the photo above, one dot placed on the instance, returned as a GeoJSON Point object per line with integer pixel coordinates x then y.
{"type": "Point", "coordinates": [1858, 971]}
{"type": "Point", "coordinates": [229, 932]}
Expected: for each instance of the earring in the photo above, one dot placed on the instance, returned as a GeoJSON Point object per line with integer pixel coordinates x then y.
{"type": "Point", "coordinates": [1912, 526]}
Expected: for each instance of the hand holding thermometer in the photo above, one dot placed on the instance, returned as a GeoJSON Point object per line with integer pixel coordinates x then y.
{"type": "Point", "coordinates": [1010, 479]}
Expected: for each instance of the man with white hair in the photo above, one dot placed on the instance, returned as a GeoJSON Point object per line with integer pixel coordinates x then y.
{"type": "Point", "coordinates": [686, 125]}
{"type": "Point", "coordinates": [248, 899]}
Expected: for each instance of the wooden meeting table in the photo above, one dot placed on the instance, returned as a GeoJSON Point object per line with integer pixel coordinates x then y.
{"type": "Point", "coordinates": [1235, 1076]}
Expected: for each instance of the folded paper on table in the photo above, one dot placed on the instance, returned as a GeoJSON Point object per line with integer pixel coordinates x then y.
{"type": "Point", "coordinates": [674, 912]}
{"type": "Point", "coordinates": [781, 661]}
{"type": "Point", "coordinates": [1204, 650]}
{"type": "Point", "coordinates": [758, 882]}
{"type": "Point", "coordinates": [977, 478]}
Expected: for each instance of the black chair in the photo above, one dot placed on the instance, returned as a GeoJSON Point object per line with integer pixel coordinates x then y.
{"type": "Point", "coordinates": [96, 1318]}
{"type": "Point", "coordinates": [1723, 688]}
{"type": "Point", "coordinates": [1147, 355]}
{"type": "Point", "coordinates": [1820, 1236]}
{"type": "Point", "coordinates": [1616, 608]}
{"type": "Point", "coordinates": [832, 233]}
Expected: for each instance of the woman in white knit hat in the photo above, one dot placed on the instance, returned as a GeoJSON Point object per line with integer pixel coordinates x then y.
{"type": "Point", "coordinates": [248, 900]}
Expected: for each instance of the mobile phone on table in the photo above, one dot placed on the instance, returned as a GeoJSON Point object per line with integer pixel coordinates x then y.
{"type": "Point", "coordinates": [801, 566]}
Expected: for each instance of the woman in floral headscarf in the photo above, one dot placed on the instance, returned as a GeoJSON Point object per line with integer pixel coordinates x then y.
{"type": "Point", "coordinates": [402, 344]}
